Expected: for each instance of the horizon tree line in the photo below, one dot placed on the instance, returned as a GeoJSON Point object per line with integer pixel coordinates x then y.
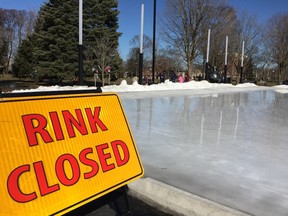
{"type": "Point", "coordinates": [184, 26]}
{"type": "Point", "coordinates": [45, 44]}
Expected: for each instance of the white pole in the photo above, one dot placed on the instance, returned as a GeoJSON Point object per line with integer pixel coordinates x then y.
{"type": "Point", "coordinates": [226, 50]}
{"type": "Point", "coordinates": [242, 58]}
{"type": "Point", "coordinates": [141, 30]}
{"type": "Point", "coordinates": [80, 21]}
{"type": "Point", "coordinates": [208, 46]}
{"type": "Point", "coordinates": [80, 46]}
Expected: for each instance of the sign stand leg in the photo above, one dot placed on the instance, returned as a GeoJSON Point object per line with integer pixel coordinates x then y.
{"type": "Point", "coordinates": [124, 202]}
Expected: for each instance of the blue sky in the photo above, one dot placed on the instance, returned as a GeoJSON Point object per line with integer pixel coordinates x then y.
{"type": "Point", "coordinates": [130, 13]}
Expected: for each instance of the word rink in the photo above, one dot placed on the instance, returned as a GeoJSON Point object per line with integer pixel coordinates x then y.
{"type": "Point", "coordinates": [36, 124]}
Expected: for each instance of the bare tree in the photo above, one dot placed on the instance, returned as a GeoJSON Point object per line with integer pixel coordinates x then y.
{"type": "Point", "coordinates": [104, 52]}
{"type": "Point", "coordinates": [133, 55]}
{"type": "Point", "coordinates": [132, 61]}
{"type": "Point", "coordinates": [223, 24]}
{"type": "Point", "coordinates": [183, 25]}
{"type": "Point", "coordinates": [30, 22]}
{"type": "Point", "coordinates": [248, 30]}
{"type": "Point", "coordinates": [20, 19]}
{"type": "Point", "coordinates": [147, 50]}
{"type": "Point", "coordinates": [147, 45]}
{"type": "Point", "coordinates": [10, 35]}
{"type": "Point", "coordinates": [14, 27]}
{"type": "Point", "coordinates": [169, 59]}
{"type": "Point", "coordinates": [276, 43]}
{"type": "Point", "coordinates": [3, 42]}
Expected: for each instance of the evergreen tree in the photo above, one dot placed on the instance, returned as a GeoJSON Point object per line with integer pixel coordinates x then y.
{"type": "Point", "coordinates": [3, 53]}
{"type": "Point", "coordinates": [23, 62]}
{"type": "Point", "coordinates": [55, 44]}
{"type": "Point", "coordinates": [56, 37]}
{"type": "Point", "coordinates": [100, 34]}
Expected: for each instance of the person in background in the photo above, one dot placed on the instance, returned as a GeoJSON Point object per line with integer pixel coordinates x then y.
{"type": "Point", "coordinates": [180, 79]}
{"type": "Point", "coordinates": [173, 76]}
{"type": "Point", "coordinates": [187, 78]}
{"type": "Point", "coordinates": [162, 77]}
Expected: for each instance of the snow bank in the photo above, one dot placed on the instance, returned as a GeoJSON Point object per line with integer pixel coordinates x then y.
{"type": "Point", "coordinates": [124, 87]}
{"type": "Point", "coordinates": [283, 89]}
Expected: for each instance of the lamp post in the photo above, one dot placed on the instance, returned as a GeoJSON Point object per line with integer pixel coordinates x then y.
{"type": "Point", "coordinates": [141, 46]}
{"type": "Point", "coordinates": [242, 63]}
{"type": "Point", "coordinates": [80, 45]}
{"type": "Point", "coordinates": [225, 67]}
{"type": "Point", "coordinates": [207, 55]}
{"type": "Point", "coordinates": [154, 42]}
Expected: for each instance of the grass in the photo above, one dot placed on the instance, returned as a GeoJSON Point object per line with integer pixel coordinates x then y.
{"type": "Point", "coordinates": [9, 83]}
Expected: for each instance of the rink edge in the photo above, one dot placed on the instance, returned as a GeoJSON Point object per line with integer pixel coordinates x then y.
{"type": "Point", "coordinates": [174, 201]}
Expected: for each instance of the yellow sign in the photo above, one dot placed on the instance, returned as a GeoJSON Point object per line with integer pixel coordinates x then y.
{"type": "Point", "coordinates": [61, 152]}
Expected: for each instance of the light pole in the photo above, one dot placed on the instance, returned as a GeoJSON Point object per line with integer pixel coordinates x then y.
{"type": "Point", "coordinates": [242, 63]}
{"type": "Point", "coordinates": [225, 67]}
{"type": "Point", "coordinates": [154, 42]}
{"type": "Point", "coordinates": [141, 46]}
{"type": "Point", "coordinates": [80, 45]}
{"type": "Point", "coordinates": [207, 55]}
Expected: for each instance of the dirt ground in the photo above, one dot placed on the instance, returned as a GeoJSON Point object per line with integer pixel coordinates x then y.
{"type": "Point", "coordinates": [8, 83]}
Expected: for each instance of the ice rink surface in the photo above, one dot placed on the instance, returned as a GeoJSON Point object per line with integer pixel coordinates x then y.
{"type": "Point", "coordinates": [229, 146]}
